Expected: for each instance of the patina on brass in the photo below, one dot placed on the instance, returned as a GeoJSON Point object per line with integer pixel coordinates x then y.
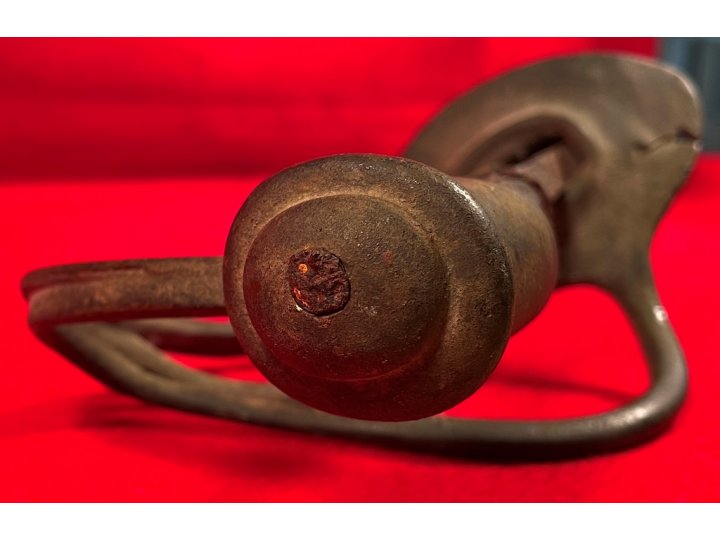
{"type": "Point", "coordinates": [385, 289]}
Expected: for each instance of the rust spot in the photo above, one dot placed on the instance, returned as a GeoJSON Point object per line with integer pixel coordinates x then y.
{"type": "Point", "coordinates": [318, 281]}
{"type": "Point", "coordinates": [388, 257]}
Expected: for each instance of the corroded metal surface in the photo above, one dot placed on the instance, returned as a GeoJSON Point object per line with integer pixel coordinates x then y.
{"type": "Point", "coordinates": [382, 288]}
{"type": "Point", "coordinates": [431, 304]}
{"type": "Point", "coordinates": [318, 281]}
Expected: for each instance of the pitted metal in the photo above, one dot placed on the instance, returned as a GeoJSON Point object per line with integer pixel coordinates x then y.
{"type": "Point", "coordinates": [318, 281]}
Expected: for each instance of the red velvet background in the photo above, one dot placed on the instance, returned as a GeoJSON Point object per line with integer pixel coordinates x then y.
{"type": "Point", "coordinates": [115, 149]}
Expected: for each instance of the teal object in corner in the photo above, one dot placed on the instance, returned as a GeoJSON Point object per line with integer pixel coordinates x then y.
{"type": "Point", "coordinates": [700, 58]}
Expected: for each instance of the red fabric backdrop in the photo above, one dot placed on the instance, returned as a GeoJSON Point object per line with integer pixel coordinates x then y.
{"type": "Point", "coordinates": [115, 149]}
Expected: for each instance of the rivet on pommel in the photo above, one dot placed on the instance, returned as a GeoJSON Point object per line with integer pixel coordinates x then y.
{"type": "Point", "coordinates": [318, 281]}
